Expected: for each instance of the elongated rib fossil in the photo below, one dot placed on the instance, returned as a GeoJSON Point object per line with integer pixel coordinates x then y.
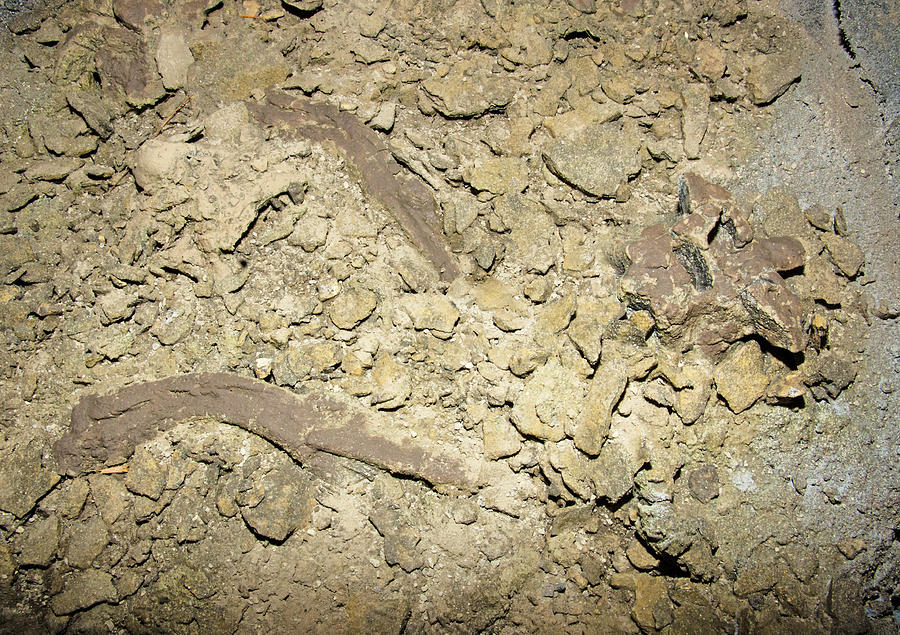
{"type": "Point", "coordinates": [105, 429]}
{"type": "Point", "coordinates": [406, 198]}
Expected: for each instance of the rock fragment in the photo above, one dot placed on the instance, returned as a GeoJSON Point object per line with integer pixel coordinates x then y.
{"type": "Point", "coordinates": [459, 96]}
{"type": "Point", "coordinates": [740, 378]}
{"type": "Point", "coordinates": [770, 76]}
{"type": "Point", "coordinates": [351, 307]}
{"type": "Point", "coordinates": [603, 158]}
{"type": "Point", "coordinates": [23, 478]}
{"type": "Point", "coordinates": [83, 590]}
{"type": "Point", "coordinates": [38, 546]}
{"type": "Point", "coordinates": [499, 436]}
{"type": "Point", "coordinates": [285, 507]}
{"type": "Point", "coordinates": [173, 58]}
{"type": "Point", "coordinates": [694, 118]}
{"type": "Point", "coordinates": [431, 311]}
{"type": "Point", "coordinates": [549, 403]}
{"type": "Point", "coordinates": [87, 540]}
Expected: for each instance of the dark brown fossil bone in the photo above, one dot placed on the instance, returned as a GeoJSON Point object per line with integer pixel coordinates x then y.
{"type": "Point", "coordinates": [105, 429]}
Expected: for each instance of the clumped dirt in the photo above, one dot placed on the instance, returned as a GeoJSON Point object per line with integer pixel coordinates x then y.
{"type": "Point", "coordinates": [426, 316]}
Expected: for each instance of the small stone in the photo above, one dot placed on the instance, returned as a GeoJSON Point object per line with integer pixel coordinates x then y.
{"type": "Point", "coordinates": [591, 427]}
{"type": "Point", "coordinates": [498, 175]}
{"type": "Point", "coordinates": [819, 218]}
{"type": "Point", "coordinates": [145, 475]}
{"type": "Point", "coordinates": [460, 96]}
{"type": "Point", "coordinates": [391, 384]}
{"type": "Point", "coordinates": [740, 378]}
{"type": "Point", "coordinates": [52, 169]}
{"type": "Point", "coordinates": [351, 307]}
{"type": "Point", "coordinates": [93, 110]}
{"type": "Point", "coordinates": [572, 123]}
{"type": "Point", "coordinates": [23, 478]}
{"type": "Point", "coordinates": [638, 556]}
{"type": "Point", "coordinates": [87, 539]}
{"type": "Point", "coordinates": [110, 495]}
{"type": "Point", "coordinates": [605, 156]}
{"type": "Point", "coordinates": [709, 60]}
{"type": "Point", "coordinates": [618, 89]}
{"type": "Point", "coordinates": [286, 505]}
{"type": "Point", "coordinates": [694, 118]}
{"type": "Point", "coordinates": [845, 254]}
{"type": "Point", "coordinates": [652, 608]}
{"type": "Point", "coordinates": [15, 251]}
{"type": "Point", "coordinates": [173, 58]}
{"type": "Point", "coordinates": [173, 325]}
{"type": "Point", "coordinates": [18, 196]}
{"type": "Point", "coordinates": [500, 437]}
{"type": "Point", "coordinates": [385, 117]}
{"type": "Point", "coordinates": [304, 6]}
{"type": "Point", "coordinates": [554, 317]}
{"type": "Point", "coordinates": [115, 306]}
{"type": "Point", "coordinates": [770, 76]}
{"type": "Point", "coordinates": [310, 232]}
{"type": "Point", "coordinates": [82, 590]}
{"type": "Point", "coordinates": [704, 483]}
{"type": "Point", "coordinates": [40, 542]}
{"type": "Point", "coordinates": [431, 311]}
{"type": "Point", "coordinates": [549, 403]}
{"type": "Point", "coordinates": [851, 547]}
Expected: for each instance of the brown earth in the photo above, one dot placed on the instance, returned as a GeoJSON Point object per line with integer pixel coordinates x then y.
{"type": "Point", "coordinates": [433, 315]}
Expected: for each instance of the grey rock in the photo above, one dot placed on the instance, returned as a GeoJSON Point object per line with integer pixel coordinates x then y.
{"type": "Point", "coordinates": [286, 505]}
{"type": "Point", "coordinates": [23, 478]}
{"type": "Point", "coordinates": [459, 96]}
{"type": "Point", "coordinates": [770, 76]}
{"type": "Point", "coordinates": [83, 590]}
{"type": "Point", "coordinates": [173, 58]}
{"type": "Point", "coordinates": [351, 307]}
{"type": "Point", "coordinates": [145, 475]}
{"type": "Point", "coordinates": [87, 539]}
{"type": "Point", "coordinates": [39, 543]}
{"type": "Point", "coordinates": [599, 162]}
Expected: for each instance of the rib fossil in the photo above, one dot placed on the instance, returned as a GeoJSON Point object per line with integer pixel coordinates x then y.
{"type": "Point", "coordinates": [105, 429]}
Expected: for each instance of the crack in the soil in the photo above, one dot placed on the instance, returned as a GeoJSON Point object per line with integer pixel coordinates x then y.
{"type": "Point", "coordinates": [842, 34]}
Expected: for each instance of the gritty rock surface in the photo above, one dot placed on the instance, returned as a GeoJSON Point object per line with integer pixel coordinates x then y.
{"type": "Point", "coordinates": [467, 316]}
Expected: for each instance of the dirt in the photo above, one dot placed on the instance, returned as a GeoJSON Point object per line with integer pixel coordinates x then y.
{"type": "Point", "coordinates": [426, 316]}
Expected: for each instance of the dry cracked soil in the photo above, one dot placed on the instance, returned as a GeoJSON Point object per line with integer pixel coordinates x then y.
{"type": "Point", "coordinates": [413, 316]}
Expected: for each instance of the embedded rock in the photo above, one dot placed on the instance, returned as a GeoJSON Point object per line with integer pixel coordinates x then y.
{"type": "Point", "coordinates": [604, 157]}
{"type": "Point", "coordinates": [23, 478]}
{"type": "Point", "coordinates": [549, 403]}
{"type": "Point", "coordinates": [707, 281]}
{"type": "Point", "coordinates": [770, 76]}
{"type": "Point", "coordinates": [431, 311]}
{"type": "Point", "coordinates": [459, 96]}
{"type": "Point", "coordinates": [352, 307]}
{"type": "Point", "coordinates": [740, 378]}
{"type": "Point", "coordinates": [83, 590]}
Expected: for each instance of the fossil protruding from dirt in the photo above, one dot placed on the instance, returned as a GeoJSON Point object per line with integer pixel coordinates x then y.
{"type": "Point", "coordinates": [105, 429]}
{"type": "Point", "coordinates": [406, 198]}
{"type": "Point", "coordinates": [706, 278]}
